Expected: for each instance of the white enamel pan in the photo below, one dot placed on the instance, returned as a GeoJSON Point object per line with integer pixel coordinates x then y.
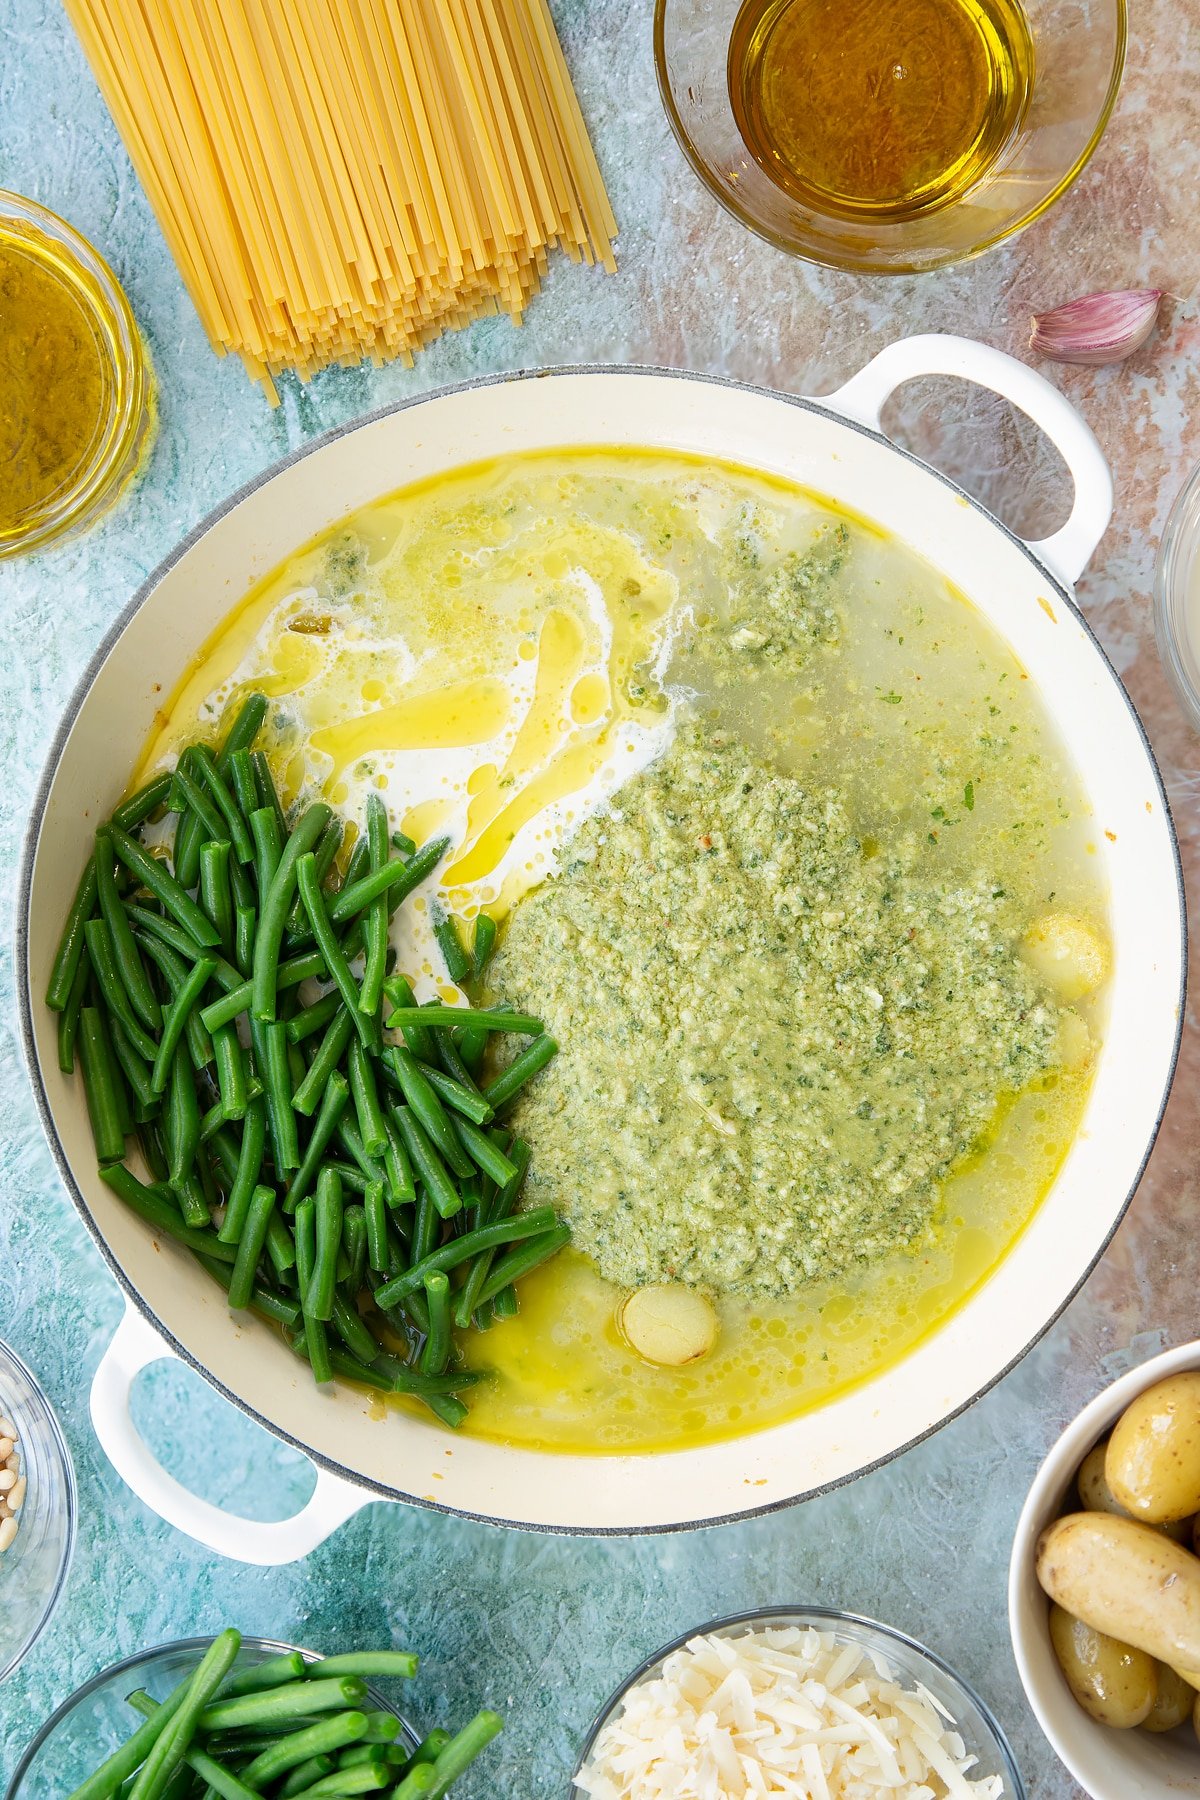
{"type": "Point", "coordinates": [835, 447]}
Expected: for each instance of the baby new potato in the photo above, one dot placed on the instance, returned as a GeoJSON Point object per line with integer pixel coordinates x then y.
{"type": "Point", "coordinates": [669, 1324]}
{"type": "Point", "coordinates": [1068, 953]}
{"type": "Point", "coordinates": [1153, 1459]}
{"type": "Point", "coordinates": [1097, 1496]}
{"type": "Point", "coordinates": [1125, 1580]}
{"type": "Point", "coordinates": [1173, 1702]}
{"type": "Point", "coordinates": [1114, 1683]}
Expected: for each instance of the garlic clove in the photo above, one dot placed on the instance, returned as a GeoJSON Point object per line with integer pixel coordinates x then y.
{"type": "Point", "coordinates": [1096, 328]}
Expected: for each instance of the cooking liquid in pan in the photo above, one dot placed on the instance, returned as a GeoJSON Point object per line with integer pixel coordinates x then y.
{"type": "Point", "coordinates": [497, 652]}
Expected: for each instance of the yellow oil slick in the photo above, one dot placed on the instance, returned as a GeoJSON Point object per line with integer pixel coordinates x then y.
{"type": "Point", "coordinates": [463, 713]}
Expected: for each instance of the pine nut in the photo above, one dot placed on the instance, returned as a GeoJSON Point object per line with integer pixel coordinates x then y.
{"type": "Point", "coordinates": [8, 1531]}
{"type": "Point", "coordinates": [6, 1448]}
{"type": "Point", "coordinates": [17, 1496]}
{"type": "Point", "coordinates": [7, 1428]}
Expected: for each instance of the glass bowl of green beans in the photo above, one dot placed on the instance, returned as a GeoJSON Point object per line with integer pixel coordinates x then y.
{"type": "Point", "coordinates": [99, 1717]}
{"type": "Point", "coordinates": [36, 1541]}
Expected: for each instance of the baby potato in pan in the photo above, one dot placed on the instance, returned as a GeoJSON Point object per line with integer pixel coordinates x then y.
{"type": "Point", "coordinates": [1152, 1464]}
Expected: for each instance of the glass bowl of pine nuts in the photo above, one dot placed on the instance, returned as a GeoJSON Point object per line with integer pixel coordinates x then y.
{"type": "Point", "coordinates": [37, 1510]}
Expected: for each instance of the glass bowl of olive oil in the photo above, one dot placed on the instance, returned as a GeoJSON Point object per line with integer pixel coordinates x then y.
{"type": "Point", "coordinates": [888, 136]}
{"type": "Point", "coordinates": [76, 387]}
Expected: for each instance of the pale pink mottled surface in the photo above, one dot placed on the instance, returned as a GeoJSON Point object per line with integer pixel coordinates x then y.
{"type": "Point", "coordinates": [541, 1626]}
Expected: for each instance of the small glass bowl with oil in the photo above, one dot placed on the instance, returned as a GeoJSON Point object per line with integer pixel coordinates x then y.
{"type": "Point", "coordinates": [888, 136]}
{"type": "Point", "coordinates": [76, 386]}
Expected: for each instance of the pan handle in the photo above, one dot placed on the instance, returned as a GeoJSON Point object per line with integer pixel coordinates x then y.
{"type": "Point", "coordinates": [1066, 553]}
{"type": "Point", "coordinates": [135, 1345]}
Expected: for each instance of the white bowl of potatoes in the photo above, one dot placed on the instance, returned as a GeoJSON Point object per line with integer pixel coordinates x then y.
{"type": "Point", "coordinates": [1104, 1587]}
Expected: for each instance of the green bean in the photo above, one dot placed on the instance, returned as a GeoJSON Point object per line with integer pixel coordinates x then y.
{"type": "Point", "coordinates": [327, 944]}
{"type": "Point", "coordinates": [130, 967]}
{"type": "Point", "coordinates": [236, 828]}
{"type": "Point", "coordinates": [352, 1369]}
{"type": "Point", "coordinates": [426, 1106]}
{"type": "Point", "coordinates": [68, 1018]}
{"type": "Point", "coordinates": [403, 843]}
{"type": "Point", "coordinates": [268, 846]}
{"type": "Point", "coordinates": [175, 973]}
{"type": "Point", "coordinates": [375, 925]}
{"type": "Point", "coordinates": [311, 1740]}
{"type": "Point", "coordinates": [160, 1214]}
{"type": "Point", "coordinates": [428, 1164]}
{"type": "Point", "coordinates": [150, 1140]}
{"type": "Point", "coordinates": [231, 1071]}
{"type": "Point", "coordinates": [353, 1180]}
{"type": "Point", "coordinates": [371, 1127]}
{"type": "Point", "coordinates": [136, 1071]}
{"type": "Point", "coordinates": [396, 880]}
{"type": "Point", "coordinates": [447, 1408]}
{"type": "Point", "coordinates": [98, 940]}
{"type": "Point", "coordinates": [289, 1666]}
{"type": "Point", "coordinates": [353, 1332]}
{"type": "Point", "coordinates": [483, 1152]}
{"type": "Point", "coordinates": [472, 1047]}
{"type": "Point", "coordinates": [426, 1227]}
{"type": "Point", "coordinates": [245, 919]}
{"type": "Point", "coordinates": [174, 1740]}
{"type": "Point", "coordinates": [236, 1000]}
{"type": "Point", "coordinates": [176, 938]}
{"type": "Point", "coordinates": [220, 1779]}
{"type": "Point", "coordinates": [267, 795]}
{"type": "Point", "coordinates": [419, 1041]}
{"type": "Point", "coordinates": [521, 1260]}
{"type": "Point", "coordinates": [305, 1775]}
{"type": "Point", "coordinates": [241, 778]}
{"type": "Point", "coordinates": [100, 1083]}
{"type": "Point", "coordinates": [431, 1746]}
{"type": "Point", "coordinates": [484, 943]}
{"type": "Point", "coordinates": [450, 1018]}
{"type": "Point", "coordinates": [395, 1754]}
{"type": "Point", "coordinates": [250, 1246]}
{"type": "Point", "coordinates": [124, 1762]}
{"type": "Point", "coordinates": [325, 1062]}
{"type": "Point", "coordinates": [249, 1168]}
{"type": "Point", "coordinates": [447, 1053]}
{"type": "Point", "coordinates": [294, 1700]}
{"type": "Point", "coordinates": [280, 1248]}
{"type": "Point", "coordinates": [242, 884]}
{"type": "Point", "coordinates": [313, 1018]}
{"type": "Point", "coordinates": [401, 1187]}
{"type": "Point", "coordinates": [347, 1135]}
{"type": "Point", "coordinates": [216, 895]}
{"type": "Point", "coordinates": [417, 1782]}
{"type": "Point", "coordinates": [535, 1056]}
{"type": "Point", "coordinates": [436, 1353]}
{"type": "Point", "coordinates": [460, 1753]}
{"type": "Point", "coordinates": [467, 1303]}
{"type": "Point", "coordinates": [181, 1118]}
{"type": "Point", "coordinates": [197, 801]}
{"type": "Point", "coordinates": [197, 1194]}
{"type": "Point", "coordinates": [376, 1217]}
{"type": "Point", "coordinates": [539, 1222]}
{"type": "Point", "coordinates": [244, 730]}
{"type": "Point", "coordinates": [366, 1778]}
{"type": "Point", "coordinates": [275, 906]}
{"type": "Point", "coordinates": [190, 834]}
{"type": "Point", "coordinates": [454, 1093]}
{"type": "Point", "coordinates": [70, 946]}
{"type": "Point", "coordinates": [183, 1005]}
{"type": "Point", "coordinates": [277, 1079]}
{"type": "Point", "coordinates": [354, 1249]}
{"type": "Point", "coordinates": [334, 1101]}
{"type": "Point", "coordinates": [133, 812]}
{"type": "Point", "coordinates": [458, 963]}
{"type": "Point", "coordinates": [325, 855]}
{"type": "Point", "coordinates": [151, 873]}
{"type": "Point", "coordinates": [328, 1236]}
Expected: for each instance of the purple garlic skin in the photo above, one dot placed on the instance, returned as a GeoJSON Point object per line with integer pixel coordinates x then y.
{"type": "Point", "coordinates": [1097, 328]}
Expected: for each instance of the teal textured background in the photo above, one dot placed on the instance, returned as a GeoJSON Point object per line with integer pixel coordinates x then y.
{"type": "Point", "coordinates": [543, 1627]}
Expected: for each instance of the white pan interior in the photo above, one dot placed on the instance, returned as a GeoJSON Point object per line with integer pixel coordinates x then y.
{"type": "Point", "coordinates": [408, 1457]}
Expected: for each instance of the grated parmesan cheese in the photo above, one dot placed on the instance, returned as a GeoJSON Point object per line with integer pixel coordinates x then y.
{"type": "Point", "coordinates": [781, 1712]}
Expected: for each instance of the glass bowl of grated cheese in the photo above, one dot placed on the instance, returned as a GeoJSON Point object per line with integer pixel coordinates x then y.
{"type": "Point", "coordinates": [811, 1703]}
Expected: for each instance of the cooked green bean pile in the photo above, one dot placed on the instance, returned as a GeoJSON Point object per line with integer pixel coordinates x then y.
{"type": "Point", "coordinates": [283, 1728]}
{"type": "Point", "coordinates": [356, 1189]}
